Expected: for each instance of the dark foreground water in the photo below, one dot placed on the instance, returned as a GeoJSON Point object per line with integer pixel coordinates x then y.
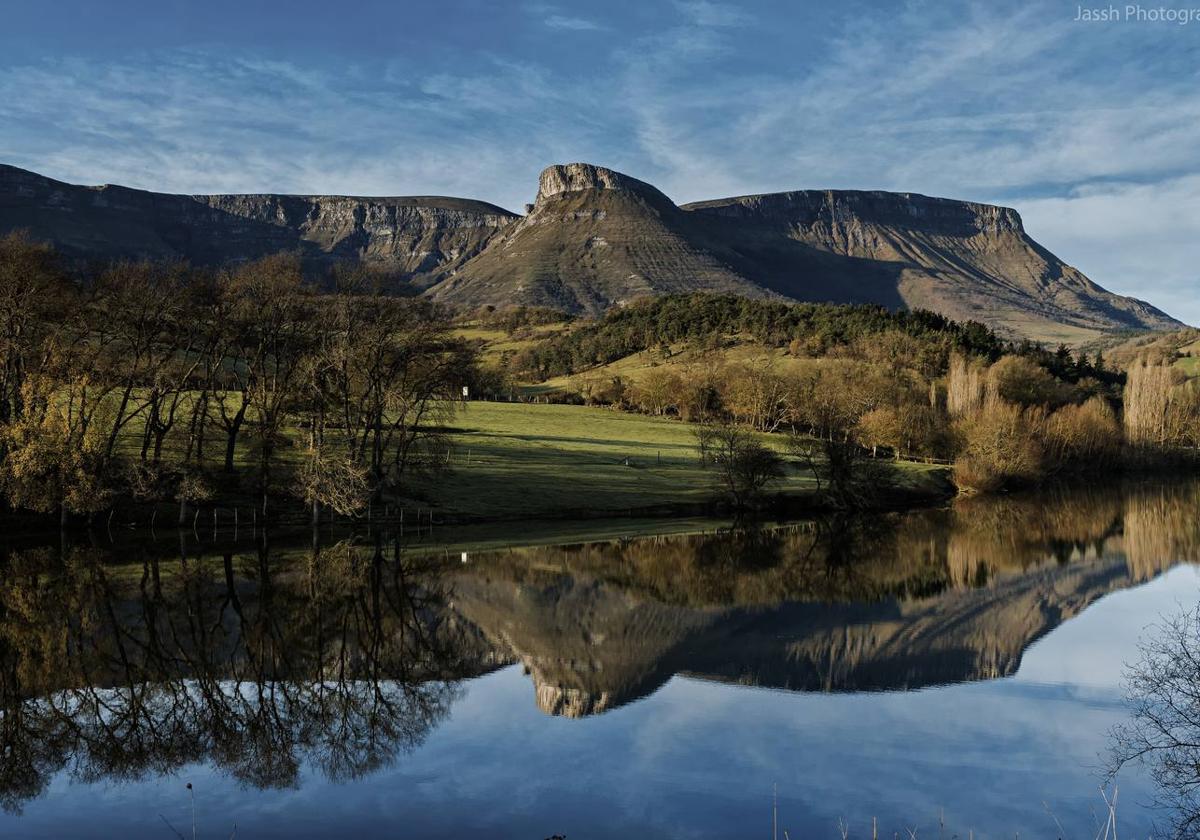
{"type": "Point", "coordinates": [962, 665]}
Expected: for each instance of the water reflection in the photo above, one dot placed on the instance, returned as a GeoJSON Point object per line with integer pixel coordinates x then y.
{"type": "Point", "coordinates": [260, 660]}
{"type": "Point", "coordinates": [115, 672]}
{"type": "Point", "coordinates": [896, 603]}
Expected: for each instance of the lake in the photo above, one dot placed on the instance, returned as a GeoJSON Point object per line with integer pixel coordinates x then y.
{"type": "Point", "coordinates": [958, 667]}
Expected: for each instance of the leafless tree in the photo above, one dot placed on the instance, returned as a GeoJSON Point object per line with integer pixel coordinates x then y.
{"type": "Point", "coordinates": [1163, 732]}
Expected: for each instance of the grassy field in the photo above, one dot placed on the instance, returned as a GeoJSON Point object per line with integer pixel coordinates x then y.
{"type": "Point", "coordinates": [632, 368]}
{"type": "Point", "coordinates": [496, 344]}
{"type": "Point", "coordinates": [512, 460]}
{"type": "Point", "coordinates": [1190, 363]}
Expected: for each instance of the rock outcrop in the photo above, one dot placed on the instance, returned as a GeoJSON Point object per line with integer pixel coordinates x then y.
{"type": "Point", "coordinates": [420, 238]}
{"type": "Point", "coordinates": [595, 238]}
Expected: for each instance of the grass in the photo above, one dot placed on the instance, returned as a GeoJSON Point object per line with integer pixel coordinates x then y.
{"type": "Point", "coordinates": [496, 343]}
{"type": "Point", "coordinates": [516, 460]}
{"type": "Point", "coordinates": [523, 461]}
{"type": "Point", "coordinates": [1190, 364]}
{"type": "Point", "coordinates": [635, 366]}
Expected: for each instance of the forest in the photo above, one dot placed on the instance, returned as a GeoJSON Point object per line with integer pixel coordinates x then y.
{"type": "Point", "coordinates": [858, 382]}
{"type": "Point", "coordinates": [161, 383]}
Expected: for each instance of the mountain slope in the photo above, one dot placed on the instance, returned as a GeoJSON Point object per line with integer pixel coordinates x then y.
{"type": "Point", "coordinates": [595, 238]}
{"type": "Point", "coordinates": [592, 239]}
{"type": "Point", "coordinates": [966, 260]}
{"type": "Point", "coordinates": [419, 238]}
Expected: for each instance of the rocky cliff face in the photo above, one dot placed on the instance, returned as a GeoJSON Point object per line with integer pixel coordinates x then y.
{"type": "Point", "coordinates": [966, 260]}
{"type": "Point", "coordinates": [418, 238]}
{"type": "Point", "coordinates": [594, 238]}
{"type": "Point", "coordinates": [847, 209]}
{"type": "Point", "coordinates": [583, 177]}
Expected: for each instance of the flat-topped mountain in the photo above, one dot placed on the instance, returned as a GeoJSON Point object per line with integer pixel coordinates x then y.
{"type": "Point", "coordinates": [594, 238]}
{"type": "Point", "coordinates": [418, 237]}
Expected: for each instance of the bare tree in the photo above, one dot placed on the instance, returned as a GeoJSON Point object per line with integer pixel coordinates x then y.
{"type": "Point", "coordinates": [272, 310]}
{"type": "Point", "coordinates": [745, 466]}
{"type": "Point", "coordinates": [1163, 733]}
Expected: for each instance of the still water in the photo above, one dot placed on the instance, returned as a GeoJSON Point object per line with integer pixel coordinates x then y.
{"type": "Point", "coordinates": [959, 666]}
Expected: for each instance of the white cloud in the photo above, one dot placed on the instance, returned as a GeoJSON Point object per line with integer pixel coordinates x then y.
{"type": "Point", "coordinates": [1137, 239]}
{"type": "Point", "coordinates": [576, 24]}
{"type": "Point", "coordinates": [960, 100]}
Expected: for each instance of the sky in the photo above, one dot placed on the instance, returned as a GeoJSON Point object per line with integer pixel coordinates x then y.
{"type": "Point", "coordinates": [1090, 129]}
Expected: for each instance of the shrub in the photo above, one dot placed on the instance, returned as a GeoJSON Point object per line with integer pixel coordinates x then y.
{"type": "Point", "coordinates": [1000, 448]}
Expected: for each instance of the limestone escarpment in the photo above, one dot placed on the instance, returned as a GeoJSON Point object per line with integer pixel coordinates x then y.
{"type": "Point", "coordinates": [966, 260]}
{"type": "Point", "coordinates": [584, 177]}
{"type": "Point", "coordinates": [417, 238]}
{"type": "Point", "coordinates": [595, 238]}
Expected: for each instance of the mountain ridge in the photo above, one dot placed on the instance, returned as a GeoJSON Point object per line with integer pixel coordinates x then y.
{"type": "Point", "coordinates": [595, 238]}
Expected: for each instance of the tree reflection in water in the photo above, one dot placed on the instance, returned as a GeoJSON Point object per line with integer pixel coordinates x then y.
{"type": "Point", "coordinates": [342, 660]}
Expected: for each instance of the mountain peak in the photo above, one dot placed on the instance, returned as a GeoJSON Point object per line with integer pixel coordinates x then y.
{"type": "Point", "coordinates": [596, 238]}
{"type": "Point", "coordinates": [581, 177]}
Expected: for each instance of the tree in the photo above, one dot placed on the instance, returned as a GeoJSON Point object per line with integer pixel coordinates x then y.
{"type": "Point", "coordinates": [387, 373]}
{"type": "Point", "coordinates": [1001, 447]}
{"type": "Point", "coordinates": [273, 315]}
{"type": "Point", "coordinates": [1163, 733]}
{"type": "Point", "coordinates": [1086, 436]}
{"type": "Point", "coordinates": [333, 481]}
{"type": "Point", "coordinates": [52, 462]}
{"type": "Point", "coordinates": [656, 392]}
{"type": "Point", "coordinates": [33, 293]}
{"type": "Point", "coordinates": [193, 487]}
{"type": "Point", "coordinates": [966, 386]}
{"type": "Point", "coordinates": [745, 466]}
{"type": "Point", "coordinates": [1157, 412]}
{"type": "Point", "coordinates": [756, 394]}
{"type": "Point", "coordinates": [1023, 382]}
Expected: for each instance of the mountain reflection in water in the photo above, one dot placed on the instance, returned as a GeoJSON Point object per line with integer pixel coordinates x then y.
{"type": "Point", "coordinates": [116, 663]}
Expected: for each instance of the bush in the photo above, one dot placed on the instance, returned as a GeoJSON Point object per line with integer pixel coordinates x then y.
{"type": "Point", "coordinates": [1000, 448]}
{"type": "Point", "coordinates": [1084, 436]}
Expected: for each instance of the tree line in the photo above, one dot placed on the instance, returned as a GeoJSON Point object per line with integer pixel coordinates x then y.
{"type": "Point", "coordinates": [849, 384]}
{"type": "Point", "coordinates": [163, 382]}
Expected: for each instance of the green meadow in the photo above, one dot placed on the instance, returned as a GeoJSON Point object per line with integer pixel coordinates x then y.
{"type": "Point", "coordinates": [509, 460]}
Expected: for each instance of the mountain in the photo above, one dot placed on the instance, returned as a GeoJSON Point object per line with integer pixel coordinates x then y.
{"type": "Point", "coordinates": [594, 238]}
{"type": "Point", "coordinates": [420, 238]}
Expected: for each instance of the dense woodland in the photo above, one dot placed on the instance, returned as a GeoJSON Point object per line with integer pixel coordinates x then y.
{"type": "Point", "coordinates": [150, 383]}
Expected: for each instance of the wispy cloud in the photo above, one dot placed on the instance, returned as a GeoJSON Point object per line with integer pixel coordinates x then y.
{"type": "Point", "coordinates": [577, 24]}
{"type": "Point", "coordinates": [707, 13]}
{"type": "Point", "coordinates": [1015, 104]}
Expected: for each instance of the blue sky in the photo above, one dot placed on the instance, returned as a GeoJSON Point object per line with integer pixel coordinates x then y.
{"type": "Point", "coordinates": [1091, 130]}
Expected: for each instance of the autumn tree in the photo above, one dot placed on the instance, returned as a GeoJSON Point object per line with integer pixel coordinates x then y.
{"type": "Point", "coordinates": [1000, 447]}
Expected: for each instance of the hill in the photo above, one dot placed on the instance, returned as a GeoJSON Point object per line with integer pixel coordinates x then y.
{"type": "Point", "coordinates": [594, 239]}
